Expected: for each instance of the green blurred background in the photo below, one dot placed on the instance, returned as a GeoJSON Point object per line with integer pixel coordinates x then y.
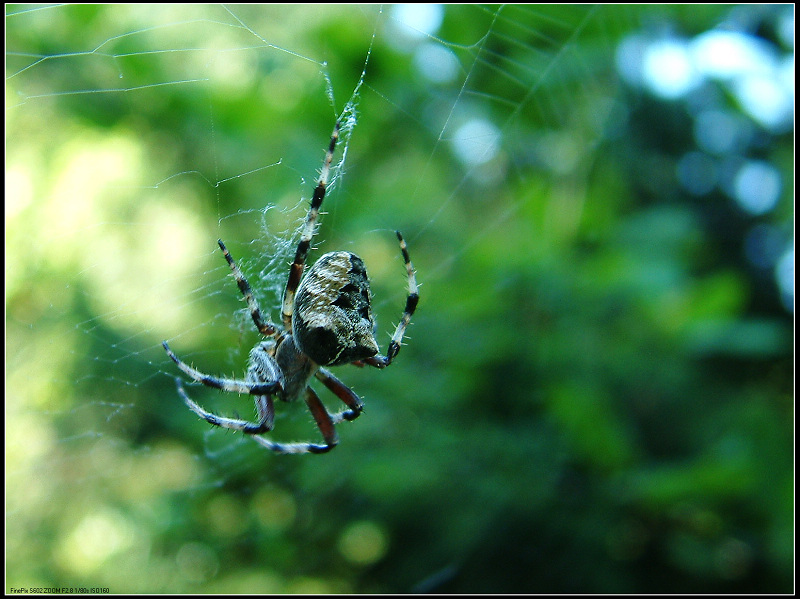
{"type": "Point", "coordinates": [596, 394]}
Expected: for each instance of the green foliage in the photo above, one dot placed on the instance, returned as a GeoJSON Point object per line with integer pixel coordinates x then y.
{"type": "Point", "coordinates": [596, 395]}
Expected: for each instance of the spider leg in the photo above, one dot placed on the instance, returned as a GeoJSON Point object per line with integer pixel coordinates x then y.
{"type": "Point", "coordinates": [324, 422]}
{"type": "Point", "coordinates": [408, 312]}
{"type": "Point", "coordinates": [343, 392]}
{"type": "Point", "coordinates": [231, 385]}
{"type": "Point", "coordinates": [296, 270]}
{"type": "Point", "coordinates": [265, 328]}
{"type": "Point", "coordinates": [266, 414]}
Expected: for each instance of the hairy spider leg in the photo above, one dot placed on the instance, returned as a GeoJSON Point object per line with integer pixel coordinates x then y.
{"type": "Point", "coordinates": [231, 385]}
{"type": "Point", "coordinates": [408, 312]}
{"type": "Point", "coordinates": [264, 406]}
{"type": "Point", "coordinates": [343, 392]}
{"type": "Point", "coordinates": [324, 422]}
{"type": "Point", "coordinates": [296, 270]}
{"type": "Point", "coordinates": [266, 328]}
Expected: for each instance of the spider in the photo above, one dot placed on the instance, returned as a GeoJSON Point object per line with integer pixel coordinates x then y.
{"type": "Point", "coordinates": [327, 321]}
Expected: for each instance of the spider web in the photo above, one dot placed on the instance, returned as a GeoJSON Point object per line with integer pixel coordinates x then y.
{"type": "Point", "coordinates": [135, 145]}
{"type": "Point", "coordinates": [122, 217]}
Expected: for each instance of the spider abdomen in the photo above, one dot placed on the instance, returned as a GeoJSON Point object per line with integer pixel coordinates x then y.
{"type": "Point", "coordinates": [332, 321]}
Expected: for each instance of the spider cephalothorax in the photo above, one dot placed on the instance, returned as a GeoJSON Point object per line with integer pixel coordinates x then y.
{"type": "Point", "coordinates": [327, 321]}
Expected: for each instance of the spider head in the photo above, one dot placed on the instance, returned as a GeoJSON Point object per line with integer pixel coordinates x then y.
{"type": "Point", "coordinates": [332, 322]}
